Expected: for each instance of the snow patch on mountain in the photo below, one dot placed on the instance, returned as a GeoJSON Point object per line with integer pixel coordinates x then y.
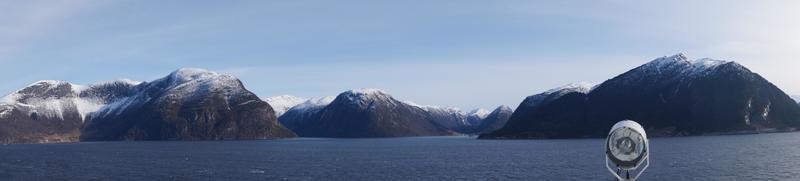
{"type": "Point", "coordinates": [184, 75]}
{"type": "Point", "coordinates": [55, 98]}
{"type": "Point", "coordinates": [364, 97]}
{"type": "Point", "coordinates": [46, 99]}
{"type": "Point", "coordinates": [366, 93]}
{"type": "Point", "coordinates": [450, 109]}
{"type": "Point", "coordinates": [681, 65]}
{"type": "Point", "coordinates": [283, 103]}
{"type": "Point", "coordinates": [580, 87]}
{"type": "Point", "coordinates": [313, 103]}
{"type": "Point", "coordinates": [120, 81]}
{"type": "Point", "coordinates": [503, 108]}
{"type": "Point", "coordinates": [117, 107]}
{"type": "Point", "coordinates": [480, 113]}
{"type": "Point", "coordinates": [183, 84]}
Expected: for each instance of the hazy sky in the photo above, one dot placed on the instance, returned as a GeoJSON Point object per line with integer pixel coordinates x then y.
{"type": "Point", "coordinates": [460, 53]}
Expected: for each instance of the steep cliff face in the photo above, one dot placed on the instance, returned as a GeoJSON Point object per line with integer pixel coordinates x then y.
{"type": "Point", "coordinates": [668, 96]}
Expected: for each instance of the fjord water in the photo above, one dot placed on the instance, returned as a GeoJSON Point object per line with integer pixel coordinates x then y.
{"type": "Point", "coordinates": [735, 157]}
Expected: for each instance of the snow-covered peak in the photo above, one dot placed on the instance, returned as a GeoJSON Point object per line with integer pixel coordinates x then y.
{"type": "Point", "coordinates": [57, 99]}
{"type": "Point", "coordinates": [707, 62]}
{"type": "Point", "coordinates": [667, 63]}
{"type": "Point", "coordinates": [118, 81]}
{"type": "Point", "coordinates": [314, 103]}
{"type": "Point", "coordinates": [480, 113]}
{"type": "Point", "coordinates": [283, 103]}
{"type": "Point", "coordinates": [366, 91]}
{"type": "Point", "coordinates": [186, 81]}
{"type": "Point", "coordinates": [184, 75]}
{"type": "Point", "coordinates": [503, 108]}
{"type": "Point", "coordinates": [449, 109]}
{"type": "Point", "coordinates": [48, 83]}
{"type": "Point", "coordinates": [44, 89]}
{"type": "Point", "coordinates": [681, 65]}
{"type": "Point", "coordinates": [52, 99]}
{"type": "Point", "coordinates": [581, 87]}
{"type": "Point", "coordinates": [54, 84]}
{"type": "Point", "coordinates": [363, 96]}
{"type": "Point", "coordinates": [285, 99]}
{"type": "Point", "coordinates": [667, 60]}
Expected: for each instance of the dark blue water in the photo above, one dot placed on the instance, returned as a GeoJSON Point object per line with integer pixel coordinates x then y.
{"type": "Point", "coordinates": [740, 157]}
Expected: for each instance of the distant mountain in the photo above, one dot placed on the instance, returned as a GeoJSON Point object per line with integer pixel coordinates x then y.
{"type": "Point", "coordinates": [450, 117]}
{"type": "Point", "coordinates": [494, 120]}
{"type": "Point", "coordinates": [188, 104]}
{"type": "Point", "coordinates": [475, 117]}
{"type": "Point", "coordinates": [796, 98]}
{"type": "Point", "coordinates": [668, 96]}
{"type": "Point", "coordinates": [363, 113]}
{"type": "Point", "coordinates": [301, 114]}
{"type": "Point", "coordinates": [281, 104]}
{"type": "Point", "coordinates": [474, 122]}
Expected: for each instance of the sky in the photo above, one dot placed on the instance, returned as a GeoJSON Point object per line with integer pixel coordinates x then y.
{"type": "Point", "coordinates": [461, 53]}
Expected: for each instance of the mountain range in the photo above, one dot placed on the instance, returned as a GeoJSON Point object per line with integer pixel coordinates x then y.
{"type": "Point", "coordinates": [375, 113]}
{"type": "Point", "coordinates": [188, 104]}
{"type": "Point", "coordinates": [669, 96]}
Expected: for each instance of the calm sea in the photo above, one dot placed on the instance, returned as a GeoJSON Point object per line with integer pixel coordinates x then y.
{"type": "Point", "coordinates": [737, 157]}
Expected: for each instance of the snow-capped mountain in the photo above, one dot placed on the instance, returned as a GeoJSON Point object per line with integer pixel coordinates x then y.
{"type": "Point", "coordinates": [363, 113]}
{"type": "Point", "coordinates": [188, 104]}
{"type": "Point", "coordinates": [452, 118]}
{"type": "Point", "coordinates": [796, 98]}
{"type": "Point", "coordinates": [668, 96]}
{"type": "Point", "coordinates": [475, 116]}
{"type": "Point", "coordinates": [495, 120]}
{"type": "Point", "coordinates": [54, 111]}
{"type": "Point", "coordinates": [552, 94]}
{"type": "Point", "coordinates": [299, 114]}
{"type": "Point", "coordinates": [283, 103]}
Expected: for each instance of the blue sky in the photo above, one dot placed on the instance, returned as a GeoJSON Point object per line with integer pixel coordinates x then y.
{"type": "Point", "coordinates": [454, 53]}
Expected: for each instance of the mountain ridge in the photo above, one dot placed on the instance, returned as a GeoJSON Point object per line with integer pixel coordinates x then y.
{"type": "Point", "coordinates": [669, 96]}
{"type": "Point", "coordinates": [58, 111]}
